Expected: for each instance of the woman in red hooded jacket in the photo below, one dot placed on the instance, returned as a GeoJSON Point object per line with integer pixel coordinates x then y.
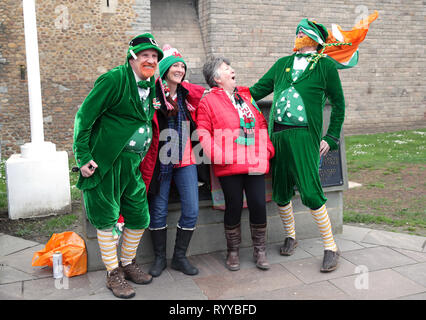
{"type": "Point", "coordinates": [234, 136]}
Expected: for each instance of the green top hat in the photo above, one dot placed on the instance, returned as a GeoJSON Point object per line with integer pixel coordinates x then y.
{"type": "Point", "coordinates": [143, 42]}
{"type": "Point", "coordinates": [313, 30]}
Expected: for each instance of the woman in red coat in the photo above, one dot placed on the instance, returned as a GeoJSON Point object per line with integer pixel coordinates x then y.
{"type": "Point", "coordinates": [234, 136]}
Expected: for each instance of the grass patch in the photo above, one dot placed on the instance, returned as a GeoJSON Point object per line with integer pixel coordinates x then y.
{"type": "Point", "coordinates": [39, 228]}
{"type": "Point", "coordinates": [391, 168]}
{"type": "Point", "coordinates": [377, 218]}
{"type": "Point", "coordinates": [391, 151]}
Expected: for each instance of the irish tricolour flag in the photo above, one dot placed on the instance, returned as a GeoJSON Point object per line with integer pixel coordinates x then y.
{"type": "Point", "coordinates": [347, 56]}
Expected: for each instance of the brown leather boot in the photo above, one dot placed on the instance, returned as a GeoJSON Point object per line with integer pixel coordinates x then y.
{"type": "Point", "coordinates": [233, 241]}
{"type": "Point", "coordinates": [119, 287]}
{"type": "Point", "coordinates": [134, 273]}
{"type": "Point", "coordinates": [258, 236]}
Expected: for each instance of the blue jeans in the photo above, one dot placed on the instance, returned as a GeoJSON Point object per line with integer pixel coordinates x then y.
{"type": "Point", "coordinates": [186, 181]}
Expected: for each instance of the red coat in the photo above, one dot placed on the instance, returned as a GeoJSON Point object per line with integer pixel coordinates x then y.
{"type": "Point", "coordinates": [217, 118]}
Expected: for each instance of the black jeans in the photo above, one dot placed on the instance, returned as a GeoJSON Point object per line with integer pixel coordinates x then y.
{"type": "Point", "coordinates": [254, 187]}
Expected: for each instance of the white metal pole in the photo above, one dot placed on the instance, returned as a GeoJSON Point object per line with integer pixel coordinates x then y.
{"type": "Point", "coordinates": [33, 71]}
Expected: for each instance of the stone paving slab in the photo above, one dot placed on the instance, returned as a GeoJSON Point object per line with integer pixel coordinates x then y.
{"type": "Point", "coordinates": [382, 284]}
{"type": "Point", "coordinates": [22, 261]}
{"type": "Point", "coordinates": [377, 258]}
{"type": "Point", "coordinates": [415, 255]}
{"type": "Point", "coordinates": [175, 290]}
{"type": "Point", "coordinates": [353, 233]}
{"type": "Point", "coordinates": [396, 265]}
{"type": "Point", "coordinates": [323, 290]}
{"type": "Point", "coordinates": [214, 263]}
{"type": "Point", "coordinates": [315, 246]}
{"type": "Point", "coordinates": [9, 244]}
{"type": "Point", "coordinates": [58, 289]}
{"type": "Point", "coordinates": [10, 275]}
{"type": "Point", "coordinates": [11, 291]}
{"type": "Point", "coordinates": [420, 296]}
{"type": "Point", "coordinates": [416, 272]}
{"type": "Point", "coordinates": [246, 282]}
{"type": "Point", "coordinates": [396, 240]}
{"type": "Point", "coordinates": [308, 270]}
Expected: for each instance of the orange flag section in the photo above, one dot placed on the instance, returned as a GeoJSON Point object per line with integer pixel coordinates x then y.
{"type": "Point", "coordinates": [343, 54]}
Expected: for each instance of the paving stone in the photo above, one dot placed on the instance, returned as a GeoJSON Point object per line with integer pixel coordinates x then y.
{"type": "Point", "coordinates": [275, 257]}
{"type": "Point", "coordinates": [22, 261]}
{"type": "Point", "coordinates": [397, 240]}
{"type": "Point", "coordinates": [383, 284]}
{"type": "Point", "coordinates": [10, 275]}
{"type": "Point", "coordinates": [57, 289]}
{"type": "Point", "coordinates": [377, 258]}
{"type": "Point", "coordinates": [415, 272]}
{"type": "Point", "coordinates": [207, 264]}
{"type": "Point", "coordinates": [366, 245]}
{"type": "Point", "coordinates": [316, 291]}
{"type": "Point", "coordinates": [11, 291]}
{"type": "Point", "coordinates": [418, 256]}
{"type": "Point", "coordinates": [353, 233]}
{"type": "Point", "coordinates": [175, 290]}
{"type": "Point", "coordinates": [214, 263]}
{"type": "Point", "coordinates": [420, 296]}
{"type": "Point", "coordinates": [9, 244]}
{"type": "Point", "coordinates": [315, 247]}
{"type": "Point", "coordinates": [308, 270]}
{"type": "Point", "coordinates": [246, 282]}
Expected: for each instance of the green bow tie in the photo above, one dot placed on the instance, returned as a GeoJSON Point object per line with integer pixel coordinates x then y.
{"type": "Point", "coordinates": [144, 84]}
{"type": "Point", "coordinates": [299, 55]}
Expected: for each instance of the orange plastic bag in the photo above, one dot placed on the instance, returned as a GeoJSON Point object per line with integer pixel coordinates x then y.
{"type": "Point", "coordinates": [73, 249]}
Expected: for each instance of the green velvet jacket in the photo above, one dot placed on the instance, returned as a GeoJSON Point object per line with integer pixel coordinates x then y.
{"type": "Point", "coordinates": [106, 120]}
{"type": "Point", "coordinates": [314, 86]}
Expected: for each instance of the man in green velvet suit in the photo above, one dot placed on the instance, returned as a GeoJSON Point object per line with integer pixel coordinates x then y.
{"type": "Point", "coordinates": [112, 133]}
{"type": "Point", "coordinates": [301, 84]}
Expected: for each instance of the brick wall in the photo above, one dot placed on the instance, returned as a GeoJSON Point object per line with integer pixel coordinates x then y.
{"type": "Point", "coordinates": [385, 92]}
{"type": "Point", "coordinates": [79, 40]}
{"type": "Point", "coordinates": [175, 22]}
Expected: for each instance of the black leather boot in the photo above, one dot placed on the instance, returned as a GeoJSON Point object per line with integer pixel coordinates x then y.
{"type": "Point", "coordinates": [159, 241]}
{"type": "Point", "coordinates": [180, 262]}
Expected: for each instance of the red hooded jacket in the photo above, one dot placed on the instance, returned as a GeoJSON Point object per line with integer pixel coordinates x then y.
{"type": "Point", "coordinates": [218, 125]}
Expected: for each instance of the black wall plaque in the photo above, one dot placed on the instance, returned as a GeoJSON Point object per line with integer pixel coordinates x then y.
{"type": "Point", "coordinates": [331, 169]}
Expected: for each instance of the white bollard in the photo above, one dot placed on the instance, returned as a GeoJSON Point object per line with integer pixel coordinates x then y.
{"type": "Point", "coordinates": [38, 178]}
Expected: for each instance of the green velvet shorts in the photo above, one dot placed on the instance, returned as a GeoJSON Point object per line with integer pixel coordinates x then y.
{"type": "Point", "coordinates": [122, 190]}
{"type": "Point", "coordinates": [296, 163]}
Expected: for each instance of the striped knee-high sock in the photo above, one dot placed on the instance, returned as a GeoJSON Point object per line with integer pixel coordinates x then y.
{"type": "Point", "coordinates": [287, 218]}
{"type": "Point", "coordinates": [323, 222]}
{"type": "Point", "coordinates": [108, 246]}
{"type": "Point", "coordinates": [131, 239]}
